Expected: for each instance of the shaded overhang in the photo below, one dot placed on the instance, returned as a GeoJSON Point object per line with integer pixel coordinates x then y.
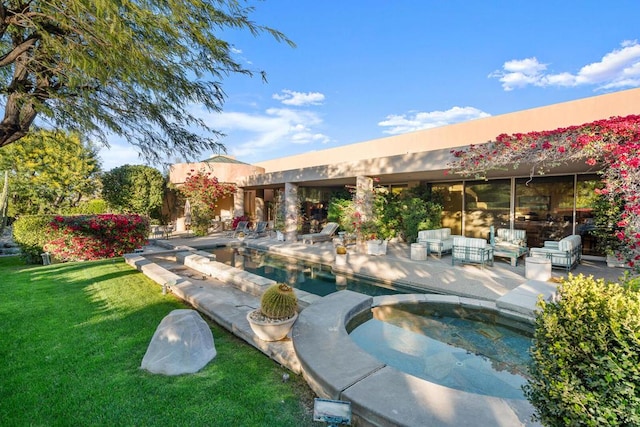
{"type": "Point", "coordinates": [428, 166]}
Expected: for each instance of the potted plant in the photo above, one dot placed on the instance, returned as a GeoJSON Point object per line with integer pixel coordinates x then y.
{"type": "Point", "coordinates": [277, 313]}
{"type": "Point", "coordinates": [375, 245]}
{"type": "Point", "coordinates": [278, 218]}
{"type": "Point", "coordinates": [607, 216]}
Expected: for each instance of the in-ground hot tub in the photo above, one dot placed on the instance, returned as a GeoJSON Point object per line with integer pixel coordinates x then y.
{"type": "Point", "coordinates": [473, 349]}
{"type": "Point", "coordinates": [337, 368]}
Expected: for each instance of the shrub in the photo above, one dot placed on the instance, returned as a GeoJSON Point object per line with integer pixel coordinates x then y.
{"type": "Point", "coordinates": [585, 367]}
{"type": "Point", "coordinates": [31, 233]}
{"type": "Point", "coordinates": [341, 211]}
{"type": "Point", "coordinates": [89, 237]}
{"type": "Point", "coordinates": [418, 214]}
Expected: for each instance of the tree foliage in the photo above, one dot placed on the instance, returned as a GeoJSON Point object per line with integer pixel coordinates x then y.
{"type": "Point", "coordinates": [130, 68]}
{"type": "Point", "coordinates": [203, 190]}
{"type": "Point", "coordinates": [134, 189]}
{"type": "Point", "coordinates": [49, 172]}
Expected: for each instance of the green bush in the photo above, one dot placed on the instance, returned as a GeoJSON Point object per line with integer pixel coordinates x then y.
{"type": "Point", "coordinates": [387, 208]}
{"type": "Point", "coordinates": [31, 233]}
{"type": "Point", "coordinates": [418, 214]}
{"type": "Point", "coordinates": [341, 211]}
{"type": "Point", "coordinates": [585, 367]}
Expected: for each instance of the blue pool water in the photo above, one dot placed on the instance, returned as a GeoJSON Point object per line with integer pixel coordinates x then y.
{"type": "Point", "coordinates": [304, 275]}
{"type": "Point", "coordinates": [461, 349]}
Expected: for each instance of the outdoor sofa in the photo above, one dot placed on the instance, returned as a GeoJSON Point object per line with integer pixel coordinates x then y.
{"type": "Point", "coordinates": [565, 253]}
{"type": "Point", "coordinates": [437, 241]}
{"type": "Point", "coordinates": [471, 250]}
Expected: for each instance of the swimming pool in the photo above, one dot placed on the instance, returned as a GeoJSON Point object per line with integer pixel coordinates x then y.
{"type": "Point", "coordinates": [466, 349]}
{"type": "Point", "coordinates": [314, 278]}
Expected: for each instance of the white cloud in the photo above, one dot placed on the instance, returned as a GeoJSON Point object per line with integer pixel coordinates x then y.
{"type": "Point", "coordinates": [398, 124]}
{"type": "Point", "coordinates": [273, 131]}
{"type": "Point", "coordinates": [290, 97]}
{"type": "Point", "coordinates": [617, 69]}
{"type": "Point", "coordinates": [119, 153]}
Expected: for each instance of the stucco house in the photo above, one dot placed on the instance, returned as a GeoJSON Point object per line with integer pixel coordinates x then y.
{"type": "Point", "coordinates": [548, 207]}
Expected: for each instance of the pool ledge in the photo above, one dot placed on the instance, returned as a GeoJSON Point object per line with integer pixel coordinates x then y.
{"type": "Point", "coordinates": [336, 368]}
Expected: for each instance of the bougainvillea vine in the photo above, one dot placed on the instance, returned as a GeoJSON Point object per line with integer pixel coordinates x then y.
{"type": "Point", "coordinates": [610, 145]}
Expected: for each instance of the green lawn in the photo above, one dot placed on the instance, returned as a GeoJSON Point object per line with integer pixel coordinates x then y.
{"type": "Point", "coordinates": [72, 340]}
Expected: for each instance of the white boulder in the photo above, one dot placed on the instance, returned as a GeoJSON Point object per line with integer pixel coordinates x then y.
{"type": "Point", "coordinates": [182, 344]}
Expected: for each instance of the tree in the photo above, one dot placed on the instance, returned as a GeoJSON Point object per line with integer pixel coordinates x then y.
{"type": "Point", "coordinates": [4, 202]}
{"type": "Point", "coordinates": [49, 172]}
{"type": "Point", "coordinates": [203, 192]}
{"type": "Point", "coordinates": [134, 189]}
{"type": "Point", "coordinates": [130, 68]}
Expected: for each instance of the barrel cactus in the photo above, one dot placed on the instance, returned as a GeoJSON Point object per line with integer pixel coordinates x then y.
{"type": "Point", "coordinates": [279, 301]}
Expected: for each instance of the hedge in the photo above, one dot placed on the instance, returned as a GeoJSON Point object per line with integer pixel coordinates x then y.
{"type": "Point", "coordinates": [31, 233]}
{"type": "Point", "coordinates": [586, 356]}
{"type": "Point", "coordinates": [90, 237]}
{"type": "Point", "coordinates": [79, 237]}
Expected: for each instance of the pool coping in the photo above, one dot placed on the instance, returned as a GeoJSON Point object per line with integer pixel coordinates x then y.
{"type": "Point", "coordinates": [331, 363]}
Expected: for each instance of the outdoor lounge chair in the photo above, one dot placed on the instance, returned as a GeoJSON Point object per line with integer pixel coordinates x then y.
{"type": "Point", "coordinates": [259, 231]}
{"type": "Point", "coordinates": [241, 227]}
{"type": "Point", "coordinates": [326, 234]}
{"type": "Point", "coordinates": [566, 253]}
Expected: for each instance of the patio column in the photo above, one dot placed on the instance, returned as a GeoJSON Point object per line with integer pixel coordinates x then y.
{"type": "Point", "coordinates": [291, 211]}
{"type": "Point", "coordinates": [238, 203]}
{"type": "Point", "coordinates": [364, 197]}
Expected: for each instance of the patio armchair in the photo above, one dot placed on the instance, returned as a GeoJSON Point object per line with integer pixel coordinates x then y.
{"type": "Point", "coordinates": [325, 235]}
{"type": "Point", "coordinates": [469, 250]}
{"type": "Point", "coordinates": [565, 253]}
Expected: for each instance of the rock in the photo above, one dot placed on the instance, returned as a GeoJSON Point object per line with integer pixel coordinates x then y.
{"type": "Point", "coordinates": [182, 344]}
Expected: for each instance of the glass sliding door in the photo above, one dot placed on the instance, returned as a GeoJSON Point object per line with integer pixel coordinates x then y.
{"type": "Point", "coordinates": [585, 202]}
{"type": "Point", "coordinates": [544, 207]}
{"type": "Point", "coordinates": [450, 195]}
{"type": "Point", "coordinates": [486, 203]}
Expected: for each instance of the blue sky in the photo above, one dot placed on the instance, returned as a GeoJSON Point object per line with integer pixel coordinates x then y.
{"type": "Point", "coordinates": [366, 69]}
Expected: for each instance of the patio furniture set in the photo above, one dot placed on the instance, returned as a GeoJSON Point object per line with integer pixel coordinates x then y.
{"type": "Point", "coordinates": [507, 243]}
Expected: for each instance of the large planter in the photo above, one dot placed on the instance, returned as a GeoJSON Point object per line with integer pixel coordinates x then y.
{"type": "Point", "coordinates": [269, 329]}
{"type": "Point", "coordinates": [376, 247]}
{"type": "Point", "coordinates": [341, 259]}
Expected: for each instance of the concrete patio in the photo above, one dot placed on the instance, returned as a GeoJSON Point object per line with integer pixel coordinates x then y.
{"type": "Point", "coordinates": [226, 296]}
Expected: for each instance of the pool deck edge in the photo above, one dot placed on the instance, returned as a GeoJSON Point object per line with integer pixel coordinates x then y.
{"type": "Point", "coordinates": [320, 349]}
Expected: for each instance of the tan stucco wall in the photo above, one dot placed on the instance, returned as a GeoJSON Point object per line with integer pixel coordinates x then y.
{"type": "Point", "coordinates": [225, 172]}
{"type": "Point", "coordinates": [473, 132]}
